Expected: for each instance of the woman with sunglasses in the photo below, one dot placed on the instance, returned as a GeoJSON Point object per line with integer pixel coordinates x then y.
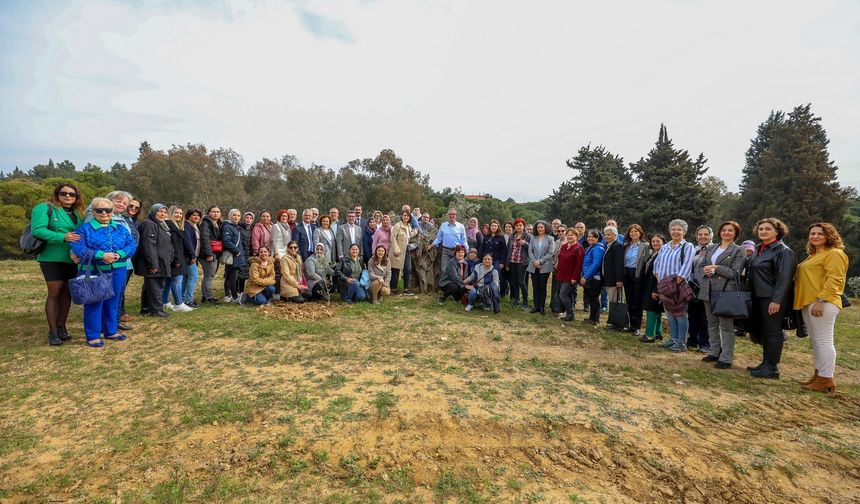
{"type": "Point", "coordinates": [294, 287]}
{"type": "Point", "coordinates": [54, 222]}
{"type": "Point", "coordinates": [107, 246]}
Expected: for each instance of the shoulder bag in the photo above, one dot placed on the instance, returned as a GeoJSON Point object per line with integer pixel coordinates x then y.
{"type": "Point", "coordinates": [30, 245]}
{"type": "Point", "coordinates": [91, 289]}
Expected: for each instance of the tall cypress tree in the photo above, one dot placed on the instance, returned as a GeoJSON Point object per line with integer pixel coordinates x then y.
{"type": "Point", "coordinates": [669, 185]}
{"type": "Point", "coordinates": [598, 191]}
{"type": "Point", "coordinates": [789, 175]}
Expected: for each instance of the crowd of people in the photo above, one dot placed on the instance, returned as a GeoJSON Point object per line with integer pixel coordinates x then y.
{"type": "Point", "coordinates": [630, 274]}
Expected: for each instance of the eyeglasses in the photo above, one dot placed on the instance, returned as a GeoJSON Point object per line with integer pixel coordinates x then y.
{"type": "Point", "coordinates": [68, 194]}
{"type": "Point", "coordinates": [102, 210]}
{"type": "Point", "coordinates": [293, 247]}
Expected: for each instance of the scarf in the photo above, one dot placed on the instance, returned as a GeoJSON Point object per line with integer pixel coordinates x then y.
{"type": "Point", "coordinates": [154, 210]}
{"type": "Point", "coordinates": [471, 232]}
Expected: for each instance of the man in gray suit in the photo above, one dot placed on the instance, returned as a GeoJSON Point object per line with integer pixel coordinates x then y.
{"type": "Point", "coordinates": [347, 234]}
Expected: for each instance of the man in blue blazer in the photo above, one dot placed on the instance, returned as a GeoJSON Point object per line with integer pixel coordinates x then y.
{"type": "Point", "coordinates": [304, 235]}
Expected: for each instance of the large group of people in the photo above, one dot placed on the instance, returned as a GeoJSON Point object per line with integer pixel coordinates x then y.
{"type": "Point", "coordinates": [284, 259]}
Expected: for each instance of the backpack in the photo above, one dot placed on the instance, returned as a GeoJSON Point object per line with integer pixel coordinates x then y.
{"type": "Point", "coordinates": [30, 245]}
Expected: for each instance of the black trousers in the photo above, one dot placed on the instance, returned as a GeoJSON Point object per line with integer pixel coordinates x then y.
{"type": "Point", "coordinates": [698, 335]}
{"type": "Point", "coordinates": [231, 281]}
{"type": "Point", "coordinates": [592, 297]}
{"type": "Point", "coordinates": [567, 297]}
{"type": "Point", "coordinates": [278, 277]}
{"type": "Point", "coordinates": [150, 294]}
{"type": "Point", "coordinates": [769, 329]}
{"type": "Point", "coordinates": [453, 290]}
{"type": "Point", "coordinates": [633, 293]}
{"type": "Point", "coordinates": [539, 281]}
{"type": "Point", "coordinates": [504, 281]}
{"type": "Point", "coordinates": [555, 304]}
{"type": "Point", "coordinates": [518, 283]}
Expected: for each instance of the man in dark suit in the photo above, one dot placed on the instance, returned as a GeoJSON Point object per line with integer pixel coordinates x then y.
{"type": "Point", "coordinates": [304, 235]}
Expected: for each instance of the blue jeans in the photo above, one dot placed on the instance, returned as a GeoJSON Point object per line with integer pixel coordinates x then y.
{"type": "Point", "coordinates": [354, 292]}
{"type": "Point", "coordinates": [102, 318]}
{"type": "Point", "coordinates": [190, 283]}
{"type": "Point", "coordinates": [678, 330]}
{"type": "Point", "coordinates": [264, 296]}
{"type": "Point", "coordinates": [407, 270]}
{"type": "Point", "coordinates": [174, 287]}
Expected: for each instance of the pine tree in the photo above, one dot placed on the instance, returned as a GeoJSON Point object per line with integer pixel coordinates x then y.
{"type": "Point", "coordinates": [789, 175]}
{"type": "Point", "coordinates": [670, 185]}
{"type": "Point", "coordinates": [599, 190]}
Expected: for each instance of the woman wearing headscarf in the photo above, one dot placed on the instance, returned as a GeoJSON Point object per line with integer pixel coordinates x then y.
{"type": "Point", "coordinates": [211, 247]}
{"type": "Point", "coordinates": [721, 272]}
{"type": "Point", "coordinates": [348, 273]}
{"type": "Point", "coordinates": [293, 285]}
{"type": "Point", "coordinates": [474, 237]}
{"type": "Point", "coordinates": [367, 240]}
{"type": "Point", "coordinates": [379, 268]}
{"type": "Point", "coordinates": [54, 222]}
{"type": "Point", "coordinates": [232, 242]}
{"type": "Point", "coordinates": [191, 245]}
{"type": "Point", "coordinates": [382, 235]}
{"type": "Point", "coordinates": [771, 273]}
{"type": "Point", "coordinates": [178, 266]}
{"type": "Point", "coordinates": [153, 260]}
{"type": "Point", "coordinates": [245, 229]}
{"type": "Point", "coordinates": [541, 250]}
{"type": "Point", "coordinates": [318, 272]}
{"type": "Point", "coordinates": [106, 246]}
{"type": "Point", "coordinates": [818, 290]}
{"type": "Point", "coordinates": [518, 262]}
{"type": "Point", "coordinates": [261, 235]}
{"type": "Point", "coordinates": [260, 286]}
{"type": "Point", "coordinates": [401, 234]}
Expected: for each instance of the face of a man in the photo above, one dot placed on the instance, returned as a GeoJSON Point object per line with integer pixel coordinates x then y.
{"type": "Point", "coordinates": [334, 213]}
{"type": "Point", "coordinates": [555, 223]}
{"type": "Point", "coordinates": [358, 211]}
{"type": "Point", "coordinates": [452, 216]}
{"type": "Point", "coordinates": [307, 217]}
{"type": "Point", "coordinates": [291, 216]}
{"type": "Point", "coordinates": [425, 218]}
{"type": "Point", "coordinates": [350, 217]}
{"type": "Point", "coordinates": [580, 227]}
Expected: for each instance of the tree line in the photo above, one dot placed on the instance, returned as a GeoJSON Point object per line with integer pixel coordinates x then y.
{"type": "Point", "coordinates": [787, 173]}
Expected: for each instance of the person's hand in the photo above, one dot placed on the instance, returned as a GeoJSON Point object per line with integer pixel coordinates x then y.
{"type": "Point", "coordinates": [501, 266]}
{"type": "Point", "coordinates": [470, 287]}
{"type": "Point", "coordinates": [678, 280]}
{"type": "Point", "coordinates": [817, 309]}
{"type": "Point", "coordinates": [110, 258]}
{"type": "Point", "coordinates": [573, 282]}
{"type": "Point", "coordinates": [655, 296]}
{"type": "Point", "coordinates": [709, 270]}
{"type": "Point", "coordinates": [427, 248]}
{"type": "Point", "coordinates": [153, 270]}
{"type": "Point", "coordinates": [582, 282]}
{"type": "Point", "coordinates": [209, 258]}
{"type": "Point", "coordinates": [397, 254]}
{"type": "Point", "coordinates": [75, 259]}
{"type": "Point", "coordinates": [619, 284]}
{"type": "Point", "coordinates": [71, 236]}
{"type": "Point", "coordinates": [537, 264]}
{"type": "Point", "coordinates": [350, 280]}
{"type": "Point", "coordinates": [773, 308]}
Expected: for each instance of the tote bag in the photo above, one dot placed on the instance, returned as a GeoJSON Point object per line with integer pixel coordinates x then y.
{"type": "Point", "coordinates": [91, 289]}
{"type": "Point", "coordinates": [618, 314]}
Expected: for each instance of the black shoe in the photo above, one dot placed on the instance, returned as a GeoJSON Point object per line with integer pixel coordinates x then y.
{"type": "Point", "coordinates": [54, 338]}
{"type": "Point", "coordinates": [568, 318]}
{"type": "Point", "coordinates": [63, 334]}
{"type": "Point", "coordinates": [646, 339]}
{"type": "Point", "coordinates": [710, 358]}
{"type": "Point", "coordinates": [755, 368]}
{"type": "Point", "coordinates": [659, 337]}
{"type": "Point", "coordinates": [766, 372]}
{"type": "Point", "coordinates": [124, 327]}
{"type": "Point", "coordinates": [534, 310]}
{"type": "Point", "coordinates": [162, 314]}
{"type": "Point", "coordinates": [726, 365]}
{"type": "Point", "coordinates": [442, 299]}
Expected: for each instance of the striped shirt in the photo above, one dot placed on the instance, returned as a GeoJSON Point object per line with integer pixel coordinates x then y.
{"type": "Point", "coordinates": [668, 262]}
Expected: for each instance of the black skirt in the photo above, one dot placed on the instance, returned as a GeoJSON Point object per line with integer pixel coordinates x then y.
{"type": "Point", "coordinates": [56, 271]}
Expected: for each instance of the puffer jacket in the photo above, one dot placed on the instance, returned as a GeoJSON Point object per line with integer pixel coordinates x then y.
{"type": "Point", "coordinates": [674, 295]}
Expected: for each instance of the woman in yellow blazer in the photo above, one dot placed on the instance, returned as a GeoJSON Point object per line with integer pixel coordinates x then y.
{"type": "Point", "coordinates": [818, 286]}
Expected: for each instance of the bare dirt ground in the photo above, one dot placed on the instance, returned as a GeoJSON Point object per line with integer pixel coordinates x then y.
{"type": "Point", "coordinates": [407, 402]}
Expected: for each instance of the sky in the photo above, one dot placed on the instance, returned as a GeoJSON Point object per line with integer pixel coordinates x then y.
{"type": "Point", "coordinates": [488, 96]}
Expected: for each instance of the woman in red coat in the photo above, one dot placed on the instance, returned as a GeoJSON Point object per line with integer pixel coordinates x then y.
{"type": "Point", "coordinates": [568, 270]}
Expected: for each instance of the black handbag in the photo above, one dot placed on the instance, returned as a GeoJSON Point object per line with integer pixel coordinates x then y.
{"type": "Point", "coordinates": [30, 245]}
{"type": "Point", "coordinates": [735, 304]}
{"type": "Point", "coordinates": [618, 314]}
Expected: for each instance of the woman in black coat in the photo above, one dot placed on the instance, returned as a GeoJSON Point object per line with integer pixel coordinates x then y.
{"type": "Point", "coordinates": [179, 266]}
{"type": "Point", "coordinates": [771, 274]}
{"type": "Point", "coordinates": [612, 268]}
{"type": "Point", "coordinates": [211, 248]}
{"type": "Point", "coordinates": [245, 229]}
{"type": "Point", "coordinates": [153, 260]}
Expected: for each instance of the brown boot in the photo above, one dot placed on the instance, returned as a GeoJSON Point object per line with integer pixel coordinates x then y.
{"type": "Point", "coordinates": [809, 381]}
{"type": "Point", "coordinates": [821, 384]}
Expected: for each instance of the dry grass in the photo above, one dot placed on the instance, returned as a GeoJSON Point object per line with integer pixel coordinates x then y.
{"type": "Point", "coordinates": [406, 402]}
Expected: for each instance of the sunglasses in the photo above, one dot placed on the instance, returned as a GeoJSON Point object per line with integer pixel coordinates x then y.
{"type": "Point", "coordinates": [68, 194]}
{"type": "Point", "coordinates": [293, 247]}
{"type": "Point", "coordinates": [133, 207]}
{"type": "Point", "coordinates": [102, 210]}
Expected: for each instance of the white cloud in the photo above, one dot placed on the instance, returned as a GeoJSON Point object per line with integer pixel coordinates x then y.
{"type": "Point", "coordinates": [490, 96]}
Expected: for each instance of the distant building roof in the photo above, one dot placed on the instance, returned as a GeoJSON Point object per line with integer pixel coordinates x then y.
{"type": "Point", "coordinates": [475, 196]}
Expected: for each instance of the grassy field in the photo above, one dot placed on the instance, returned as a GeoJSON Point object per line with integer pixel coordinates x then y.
{"type": "Point", "coordinates": [407, 402]}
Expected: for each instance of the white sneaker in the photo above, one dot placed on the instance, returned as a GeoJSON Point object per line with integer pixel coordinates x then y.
{"type": "Point", "coordinates": [169, 306]}
{"type": "Point", "coordinates": [228, 299]}
{"type": "Point", "coordinates": [182, 308]}
{"type": "Point", "coordinates": [276, 297]}
{"type": "Point", "coordinates": [468, 307]}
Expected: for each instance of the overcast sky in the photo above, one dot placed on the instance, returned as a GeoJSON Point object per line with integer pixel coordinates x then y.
{"type": "Point", "coordinates": [489, 96]}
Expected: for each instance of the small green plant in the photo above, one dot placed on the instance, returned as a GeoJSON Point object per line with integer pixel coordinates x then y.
{"type": "Point", "coordinates": [384, 401]}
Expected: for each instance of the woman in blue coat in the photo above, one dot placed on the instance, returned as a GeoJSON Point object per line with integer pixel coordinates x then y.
{"type": "Point", "coordinates": [231, 236]}
{"type": "Point", "coordinates": [107, 246]}
{"type": "Point", "coordinates": [591, 279]}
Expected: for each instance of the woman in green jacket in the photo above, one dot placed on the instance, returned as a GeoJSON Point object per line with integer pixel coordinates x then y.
{"type": "Point", "coordinates": [54, 222]}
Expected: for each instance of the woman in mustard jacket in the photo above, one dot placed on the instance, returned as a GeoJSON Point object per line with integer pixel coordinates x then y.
{"type": "Point", "coordinates": [818, 286]}
{"type": "Point", "coordinates": [55, 222]}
